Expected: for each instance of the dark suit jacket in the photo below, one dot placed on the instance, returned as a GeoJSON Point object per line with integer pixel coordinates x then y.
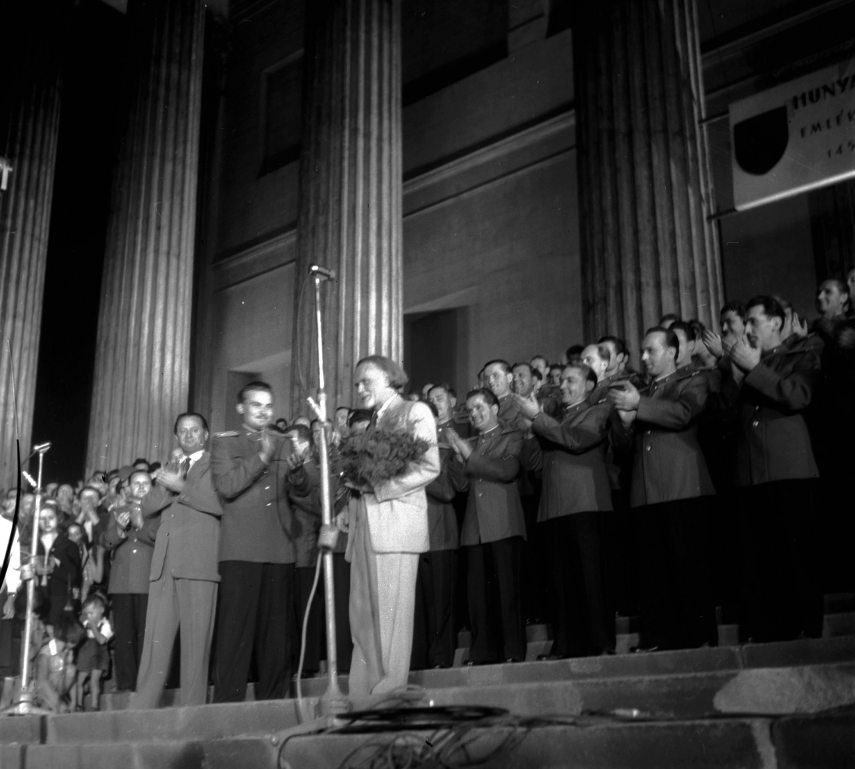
{"type": "Point", "coordinates": [493, 507]}
{"type": "Point", "coordinates": [130, 557]}
{"type": "Point", "coordinates": [257, 517]}
{"type": "Point", "coordinates": [188, 538]}
{"type": "Point", "coordinates": [67, 574]}
{"type": "Point", "coordinates": [668, 463]}
{"type": "Point", "coordinates": [773, 443]}
{"type": "Point", "coordinates": [441, 491]}
{"type": "Point", "coordinates": [572, 455]}
{"type": "Point", "coordinates": [306, 521]}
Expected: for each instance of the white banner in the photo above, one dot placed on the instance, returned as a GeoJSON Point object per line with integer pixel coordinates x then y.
{"type": "Point", "coordinates": [794, 137]}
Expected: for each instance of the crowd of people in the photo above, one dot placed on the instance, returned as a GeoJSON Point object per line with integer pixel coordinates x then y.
{"type": "Point", "coordinates": [706, 484]}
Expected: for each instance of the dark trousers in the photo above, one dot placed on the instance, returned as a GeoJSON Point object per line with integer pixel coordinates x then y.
{"type": "Point", "coordinates": [780, 596]}
{"type": "Point", "coordinates": [341, 589]}
{"type": "Point", "coordinates": [433, 624]}
{"type": "Point", "coordinates": [493, 589]}
{"type": "Point", "coordinates": [582, 615]}
{"type": "Point", "coordinates": [675, 596]}
{"type": "Point", "coordinates": [129, 610]}
{"type": "Point", "coordinates": [314, 630]}
{"type": "Point", "coordinates": [256, 602]}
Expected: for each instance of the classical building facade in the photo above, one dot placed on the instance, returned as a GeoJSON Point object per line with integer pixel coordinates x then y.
{"type": "Point", "coordinates": [486, 178]}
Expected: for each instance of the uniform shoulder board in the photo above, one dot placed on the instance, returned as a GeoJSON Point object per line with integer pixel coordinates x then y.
{"type": "Point", "coordinates": [227, 434]}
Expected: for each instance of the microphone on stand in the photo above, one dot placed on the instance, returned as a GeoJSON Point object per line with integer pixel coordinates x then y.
{"type": "Point", "coordinates": [324, 272]}
{"type": "Point", "coordinates": [41, 447]}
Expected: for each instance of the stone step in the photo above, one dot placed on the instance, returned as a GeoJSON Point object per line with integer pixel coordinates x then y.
{"type": "Point", "coordinates": [686, 684]}
{"type": "Point", "coordinates": [500, 742]}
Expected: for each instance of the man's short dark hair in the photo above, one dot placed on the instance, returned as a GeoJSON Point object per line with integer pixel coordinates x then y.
{"type": "Point", "coordinates": [671, 339]}
{"type": "Point", "coordinates": [686, 328]}
{"type": "Point", "coordinates": [394, 372]}
{"type": "Point", "coordinates": [668, 317]}
{"type": "Point", "coordinates": [506, 367]}
{"type": "Point", "coordinates": [359, 415]}
{"type": "Point", "coordinates": [488, 395]}
{"type": "Point", "coordinates": [187, 414]}
{"type": "Point", "coordinates": [140, 461]}
{"type": "Point", "coordinates": [620, 345]}
{"type": "Point", "coordinates": [772, 308]}
{"type": "Point", "coordinates": [736, 307]}
{"type": "Point", "coordinates": [573, 351]}
{"type": "Point", "coordinates": [303, 432]}
{"type": "Point", "coordinates": [522, 363]}
{"type": "Point", "coordinates": [252, 386]}
{"type": "Point", "coordinates": [443, 386]}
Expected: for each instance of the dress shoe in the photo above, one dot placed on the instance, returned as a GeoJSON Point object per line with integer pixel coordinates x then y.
{"type": "Point", "coordinates": [512, 659]}
{"type": "Point", "coordinates": [550, 657]}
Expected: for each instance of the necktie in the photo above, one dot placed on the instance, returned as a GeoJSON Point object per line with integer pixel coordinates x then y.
{"type": "Point", "coordinates": [372, 423]}
{"type": "Point", "coordinates": [184, 467]}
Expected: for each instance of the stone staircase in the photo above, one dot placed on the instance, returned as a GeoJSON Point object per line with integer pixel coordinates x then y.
{"type": "Point", "coordinates": [771, 706]}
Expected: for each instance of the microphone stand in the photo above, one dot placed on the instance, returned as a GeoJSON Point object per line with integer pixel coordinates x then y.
{"type": "Point", "coordinates": [24, 703]}
{"type": "Point", "coordinates": [332, 702]}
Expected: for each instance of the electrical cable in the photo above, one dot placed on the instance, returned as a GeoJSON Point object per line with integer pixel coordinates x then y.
{"type": "Point", "coordinates": [303, 635]}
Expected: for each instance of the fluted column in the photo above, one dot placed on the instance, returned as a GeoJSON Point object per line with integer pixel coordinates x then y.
{"type": "Point", "coordinates": [648, 246]}
{"type": "Point", "coordinates": [29, 128]}
{"type": "Point", "coordinates": [143, 349]}
{"type": "Point", "coordinates": [350, 192]}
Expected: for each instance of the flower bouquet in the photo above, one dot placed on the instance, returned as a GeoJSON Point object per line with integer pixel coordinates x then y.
{"type": "Point", "coordinates": [378, 455]}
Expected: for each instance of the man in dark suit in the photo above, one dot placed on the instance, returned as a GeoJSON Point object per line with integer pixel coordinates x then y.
{"type": "Point", "coordinates": [130, 549]}
{"type": "Point", "coordinates": [575, 500]}
{"type": "Point", "coordinates": [253, 472]}
{"type": "Point", "coordinates": [670, 494]}
{"type": "Point", "coordinates": [493, 531]}
{"type": "Point", "coordinates": [184, 575]}
{"type": "Point", "coordinates": [770, 385]}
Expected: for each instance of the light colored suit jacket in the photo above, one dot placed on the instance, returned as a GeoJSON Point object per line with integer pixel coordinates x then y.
{"type": "Point", "coordinates": [397, 508]}
{"type": "Point", "coordinates": [188, 540]}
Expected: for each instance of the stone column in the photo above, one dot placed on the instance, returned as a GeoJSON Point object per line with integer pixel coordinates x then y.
{"type": "Point", "coordinates": [29, 129]}
{"type": "Point", "coordinates": [142, 362]}
{"type": "Point", "coordinates": [648, 246]}
{"type": "Point", "coordinates": [350, 216]}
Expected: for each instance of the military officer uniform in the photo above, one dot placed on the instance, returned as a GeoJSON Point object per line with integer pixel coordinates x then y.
{"type": "Point", "coordinates": [671, 494]}
{"type": "Point", "coordinates": [574, 502]}
{"type": "Point", "coordinates": [257, 556]}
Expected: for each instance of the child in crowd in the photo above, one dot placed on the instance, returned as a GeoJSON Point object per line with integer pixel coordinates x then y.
{"type": "Point", "coordinates": [54, 663]}
{"type": "Point", "coordinates": [93, 659]}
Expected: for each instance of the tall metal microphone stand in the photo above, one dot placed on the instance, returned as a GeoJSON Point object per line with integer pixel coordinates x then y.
{"type": "Point", "coordinates": [332, 702]}
{"type": "Point", "coordinates": [24, 703]}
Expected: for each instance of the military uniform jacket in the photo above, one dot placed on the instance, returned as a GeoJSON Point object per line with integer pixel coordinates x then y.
{"type": "Point", "coordinates": [188, 539]}
{"type": "Point", "coordinates": [493, 507]}
{"type": "Point", "coordinates": [773, 442]}
{"type": "Point", "coordinates": [396, 509]}
{"type": "Point", "coordinates": [130, 556]}
{"type": "Point", "coordinates": [668, 463]}
{"type": "Point", "coordinates": [257, 517]}
{"type": "Point", "coordinates": [572, 457]}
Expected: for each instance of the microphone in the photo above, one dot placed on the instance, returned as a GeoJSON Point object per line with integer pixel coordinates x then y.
{"type": "Point", "coordinates": [41, 447]}
{"type": "Point", "coordinates": [324, 272]}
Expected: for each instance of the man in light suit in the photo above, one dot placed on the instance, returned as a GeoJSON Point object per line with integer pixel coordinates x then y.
{"type": "Point", "coordinates": [184, 575]}
{"type": "Point", "coordinates": [390, 530]}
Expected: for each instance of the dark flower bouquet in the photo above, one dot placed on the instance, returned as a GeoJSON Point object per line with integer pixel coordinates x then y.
{"type": "Point", "coordinates": [378, 455]}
